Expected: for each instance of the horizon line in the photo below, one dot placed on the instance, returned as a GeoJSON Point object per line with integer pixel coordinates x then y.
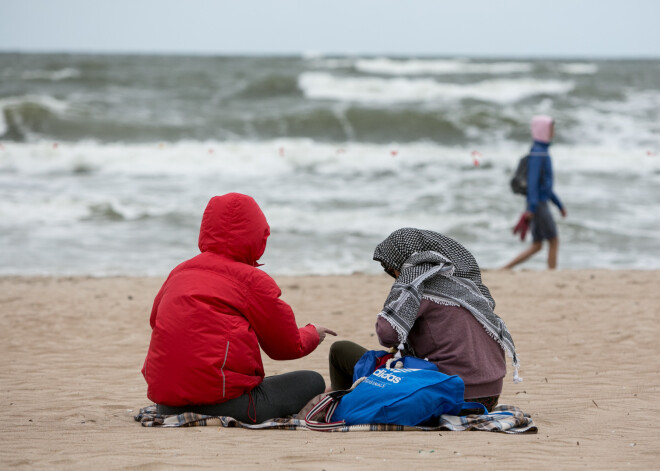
{"type": "Point", "coordinates": [319, 54]}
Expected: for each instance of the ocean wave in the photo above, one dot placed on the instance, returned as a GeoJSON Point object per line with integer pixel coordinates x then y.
{"type": "Point", "coordinates": [388, 66]}
{"type": "Point", "coordinates": [116, 210]}
{"type": "Point", "coordinates": [330, 63]}
{"type": "Point", "coordinates": [20, 115]}
{"type": "Point", "coordinates": [319, 85]}
{"type": "Point", "coordinates": [109, 172]}
{"type": "Point", "coordinates": [30, 210]}
{"type": "Point", "coordinates": [363, 124]}
{"type": "Point", "coordinates": [139, 206]}
{"type": "Point", "coordinates": [619, 123]}
{"type": "Point", "coordinates": [627, 119]}
{"type": "Point", "coordinates": [52, 75]}
{"type": "Point", "coordinates": [280, 157]}
{"type": "Point", "coordinates": [147, 99]}
{"type": "Point", "coordinates": [271, 86]}
{"type": "Point", "coordinates": [578, 68]}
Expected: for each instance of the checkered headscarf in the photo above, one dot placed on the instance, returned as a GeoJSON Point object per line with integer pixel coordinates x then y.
{"type": "Point", "coordinates": [438, 268]}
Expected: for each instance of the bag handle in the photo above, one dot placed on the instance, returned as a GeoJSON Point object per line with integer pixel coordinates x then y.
{"type": "Point", "coordinates": [325, 407]}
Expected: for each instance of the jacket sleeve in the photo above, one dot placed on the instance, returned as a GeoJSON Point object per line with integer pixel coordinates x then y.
{"type": "Point", "coordinates": [387, 336]}
{"type": "Point", "coordinates": [533, 182]}
{"type": "Point", "coordinates": [275, 324]}
{"type": "Point", "coordinates": [555, 199]}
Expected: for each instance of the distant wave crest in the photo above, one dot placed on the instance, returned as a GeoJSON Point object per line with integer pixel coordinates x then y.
{"type": "Point", "coordinates": [53, 75]}
{"type": "Point", "coordinates": [388, 66]}
{"type": "Point", "coordinates": [320, 85]}
{"type": "Point", "coordinates": [17, 114]}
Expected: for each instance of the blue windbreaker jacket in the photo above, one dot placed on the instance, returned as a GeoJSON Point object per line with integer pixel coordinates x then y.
{"type": "Point", "coordinates": [539, 177]}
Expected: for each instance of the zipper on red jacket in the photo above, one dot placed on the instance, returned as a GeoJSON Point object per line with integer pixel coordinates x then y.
{"type": "Point", "coordinates": [222, 369]}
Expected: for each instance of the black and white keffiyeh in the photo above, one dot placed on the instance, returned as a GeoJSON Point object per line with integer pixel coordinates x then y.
{"type": "Point", "coordinates": [435, 267]}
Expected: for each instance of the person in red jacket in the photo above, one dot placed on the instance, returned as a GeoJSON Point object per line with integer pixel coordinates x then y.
{"type": "Point", "coordinates": [211, 316]}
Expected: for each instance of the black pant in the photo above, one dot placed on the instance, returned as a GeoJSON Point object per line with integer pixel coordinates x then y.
{"type": "Point", "coordinates": [276, 396]}
{"type": "Point", "coordinates": [343, 356]}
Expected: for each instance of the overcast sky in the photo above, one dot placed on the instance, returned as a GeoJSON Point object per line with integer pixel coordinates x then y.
{"type": "Point", "coordinates": [515, 28]}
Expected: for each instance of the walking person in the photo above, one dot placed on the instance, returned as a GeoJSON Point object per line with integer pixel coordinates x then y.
{"type": "Point", "coordinates": [539, 192]}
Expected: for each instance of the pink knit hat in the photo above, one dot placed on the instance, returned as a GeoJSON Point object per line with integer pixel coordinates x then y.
{"type": "Point", "coordinates": [542, 128]}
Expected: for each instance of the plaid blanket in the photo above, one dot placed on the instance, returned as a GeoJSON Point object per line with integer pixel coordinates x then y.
{"type": "Point", "coordinates": [506, 419]}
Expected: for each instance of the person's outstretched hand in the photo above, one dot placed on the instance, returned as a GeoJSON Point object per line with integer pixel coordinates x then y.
{"type": "Point", "coordinates": [323, 331]}
{"type": "Point", "coordinates": [563, 212]}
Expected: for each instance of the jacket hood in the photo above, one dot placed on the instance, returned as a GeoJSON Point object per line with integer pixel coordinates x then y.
{"type": "Point", "coordinates": [542, 128]}
{"type": "Point", "coordinates": [233, 225]}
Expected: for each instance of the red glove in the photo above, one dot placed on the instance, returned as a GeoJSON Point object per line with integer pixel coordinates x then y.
{"type": "Point", "coordinates": [522, 226]}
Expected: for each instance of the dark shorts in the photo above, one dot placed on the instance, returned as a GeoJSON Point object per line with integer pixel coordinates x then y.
{"type": "Point", "coordinates": [543, 224]}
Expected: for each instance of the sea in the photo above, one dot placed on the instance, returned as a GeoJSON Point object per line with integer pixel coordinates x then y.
{"type": "Point", "coordinates": [107, 161]}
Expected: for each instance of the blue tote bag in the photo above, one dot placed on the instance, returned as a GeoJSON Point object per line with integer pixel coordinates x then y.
{"type": "Point", "coordinates": [372, 358]}
{"type": "Point", "coordinates": [402, 396]}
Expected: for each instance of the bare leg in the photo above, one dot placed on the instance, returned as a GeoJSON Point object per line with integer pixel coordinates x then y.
{"type": "Point", "coordinates": [534, 248]}
{"type": "Point", "coordinates": [553, 248]}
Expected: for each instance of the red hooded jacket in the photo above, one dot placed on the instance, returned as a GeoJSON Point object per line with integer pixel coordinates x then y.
{"type": "Point", "coordinates": [215, 310]}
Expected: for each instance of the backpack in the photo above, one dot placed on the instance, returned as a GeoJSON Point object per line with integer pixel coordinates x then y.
{"type": "Point", "coordinates": [519, 179]}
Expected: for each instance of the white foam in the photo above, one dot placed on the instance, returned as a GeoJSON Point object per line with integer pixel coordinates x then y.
{"type": "Point", "coordinates": [328, 205]}
{"type": "Point", "coordinates": [281, 157]}
{"type": "Point", "coordinates": [388, 66]}
{"type": "Point", "coordinates": [319, 85]}
{"type": "Point", "coordinates": [54, 210]}
{"type": "Point", "coordinates": [628, 123]}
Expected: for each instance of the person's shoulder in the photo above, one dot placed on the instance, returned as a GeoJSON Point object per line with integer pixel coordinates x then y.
{"type": "Point", "coordinates": [260, 276]}
{"type": "Point", "coordinates": [262, 283]}
{"type": "Point", "coordinates": [186, 264]}
{"type": "Point", "coordinates": [442, 308]}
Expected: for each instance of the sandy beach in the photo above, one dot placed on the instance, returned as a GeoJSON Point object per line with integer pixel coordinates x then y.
{"type": "Point", "coordinates": [72, 349]}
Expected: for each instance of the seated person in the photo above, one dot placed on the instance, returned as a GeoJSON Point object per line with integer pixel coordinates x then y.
{"type": "Point", "coordinates": [438, 309]}
{"type": "Point", "coordinates": [211, 316]}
